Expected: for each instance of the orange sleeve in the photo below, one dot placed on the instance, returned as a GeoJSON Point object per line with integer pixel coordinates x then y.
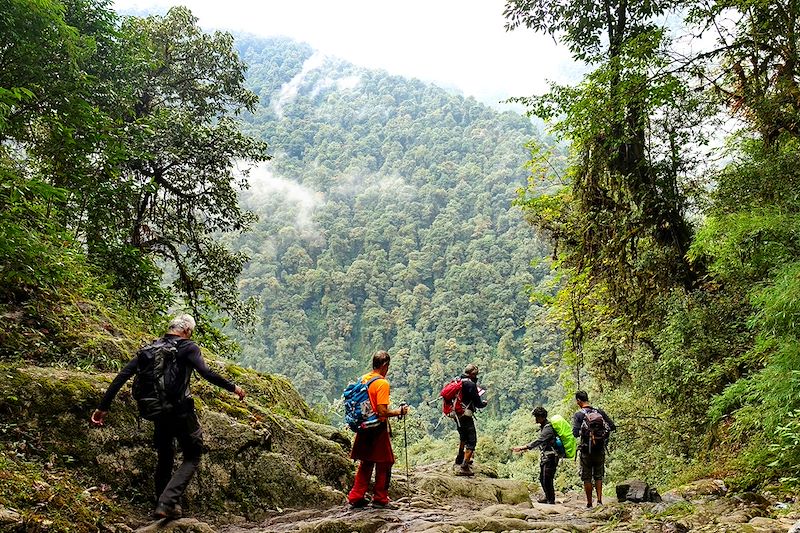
{"type": "Point", "coordinates": [379, 392]}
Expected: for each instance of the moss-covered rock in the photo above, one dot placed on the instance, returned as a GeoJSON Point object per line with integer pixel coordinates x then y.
{"type": "Point", "coordinates": [490, 490]}
{"type": "Point", "coordinates": [262, 454]}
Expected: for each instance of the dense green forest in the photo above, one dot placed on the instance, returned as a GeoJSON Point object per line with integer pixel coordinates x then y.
{"type": "Point", "coordinates": [680, 262]}
{"type": "Point", "coordinates": [386, 221]}
{"type": "Point", "coordinates": [381, 212]}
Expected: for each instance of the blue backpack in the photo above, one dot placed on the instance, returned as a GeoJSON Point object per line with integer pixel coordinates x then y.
{"type": "Point", "coordinates": [358, 413]}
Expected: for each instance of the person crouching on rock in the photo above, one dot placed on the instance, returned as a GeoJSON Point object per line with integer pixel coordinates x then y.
{"type": "Point", "coordinates": [465, 423]}
{"type": "Point", "coordinates": [373, 446]}
{"type": "Point", "coordinates": [179, 356]}
{"type": "Point", "coordinates": [548, 462]}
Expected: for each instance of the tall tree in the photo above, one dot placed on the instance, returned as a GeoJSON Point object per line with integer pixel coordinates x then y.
{"type": "Point", "coordinates": [134, 120]}
{"type": "Point", "coordinates": [620, 225]}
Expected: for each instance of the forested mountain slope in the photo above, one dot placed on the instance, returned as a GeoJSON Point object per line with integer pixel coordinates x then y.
{"type": "Point", "coordinates": [386, 221]}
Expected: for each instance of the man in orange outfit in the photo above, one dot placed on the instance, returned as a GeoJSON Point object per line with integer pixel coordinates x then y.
{"type": "Point", "coordinates": [373, 446]}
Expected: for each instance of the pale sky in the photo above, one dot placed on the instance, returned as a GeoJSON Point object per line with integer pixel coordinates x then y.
{"type": "Point", "coordinates": [458, 44]}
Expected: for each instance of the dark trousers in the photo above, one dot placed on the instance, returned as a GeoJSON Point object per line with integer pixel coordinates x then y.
{"type": "Point", "coordinates": [466, 432]}
{"type": "Point", "coordinates": [547, 474]}
{"type": "Point", "coordinates": [185, 428]}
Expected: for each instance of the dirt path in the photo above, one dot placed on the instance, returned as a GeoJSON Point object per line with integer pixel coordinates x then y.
{"type": "Point", "coordinates": [426, 514]}
{"type": "Point", "coordinates": [703, 506]}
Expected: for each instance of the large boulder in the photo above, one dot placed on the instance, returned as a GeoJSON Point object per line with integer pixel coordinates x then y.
{"type": "Point", "coordinates": [636, 491]}
{"type": "Point", "coordinates": [438, 481]}
{"type": "Point", "coordinates": [262, 454]}
{"type": "Point", "coordinates": [699, 490]}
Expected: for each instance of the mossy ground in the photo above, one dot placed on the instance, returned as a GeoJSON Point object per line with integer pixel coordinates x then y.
{"type": "Point", "coordinates": [49, 497]}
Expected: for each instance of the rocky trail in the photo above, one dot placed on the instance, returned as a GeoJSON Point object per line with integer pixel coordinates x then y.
{"type": "Point", "coordinates": [441, 502]}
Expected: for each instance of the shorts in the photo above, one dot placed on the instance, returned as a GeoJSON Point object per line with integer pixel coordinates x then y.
{"type": "Point", "coordinates": [592, 465]}
{"type": "Point", "coordinates": [466, 432]}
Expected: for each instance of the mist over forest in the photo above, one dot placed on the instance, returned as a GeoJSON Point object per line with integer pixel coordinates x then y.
{"type": "Point", "coordinates": [386, 222]}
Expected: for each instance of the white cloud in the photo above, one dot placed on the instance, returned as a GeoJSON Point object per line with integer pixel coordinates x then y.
{"type": "Point", "coordinates": [453, 43]}
{"type": "Point", "coordinates": [265, 187]}
{"type": "Point", "coordinates": [289, 91]}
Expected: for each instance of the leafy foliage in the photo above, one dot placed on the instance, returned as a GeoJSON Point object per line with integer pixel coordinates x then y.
{"type": "Point", "coordinates": [653, 309]}
{"type": "Point", "coordinates": [122, 130]}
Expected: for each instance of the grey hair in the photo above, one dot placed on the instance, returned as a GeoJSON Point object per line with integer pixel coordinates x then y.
{"type": "Point", "coordinates": [470, 369]}
{"type": "Point", "coordinates": [182, 323]}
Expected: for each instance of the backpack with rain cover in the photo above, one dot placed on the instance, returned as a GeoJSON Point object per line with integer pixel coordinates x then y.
{"type": "Point", "coordinates": [594, 428]}
{"type": "Point", "coordinates": [358, 412]}
{"type": "Point", "coordinates": [156, 386]}
{"type": "Point", "coordinates": [564, 436]}
{"type": "Point", "coordinates": [452, 398]}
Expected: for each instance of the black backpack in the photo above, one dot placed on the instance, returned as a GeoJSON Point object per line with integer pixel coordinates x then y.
{"type": "Point", "coordinates": [594, 429]}
{"type": "Point", "coordinates": [156, 385]}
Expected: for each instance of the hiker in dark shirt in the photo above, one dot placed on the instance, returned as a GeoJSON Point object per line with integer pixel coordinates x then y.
{"type": "Point", "coordinates": [465, 423]}
{"type": "Point", "coordinates": [181, 425]}
{"type": "Point", "coordinates": [592, 450]}
{"type": "Point", "coordinates": [548, 462]}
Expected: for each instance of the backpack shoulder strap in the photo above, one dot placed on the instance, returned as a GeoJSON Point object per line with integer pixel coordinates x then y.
{"type": "Point", "coordinates": [368, 383]}
{"type": "Point", "coordinates": [376, 378]}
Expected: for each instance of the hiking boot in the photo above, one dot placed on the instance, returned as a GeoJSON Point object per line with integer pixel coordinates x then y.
{"type": "Point", "coordinates": [465, 470]}
{"type": "Point", "coordinates": [542, 500]}
{"type": "Point", "coordinates": [165, 511]}
{"type": "Point", "coordinates": [359, 504]}
{"type": "Point", "coordinates": [382, 505]}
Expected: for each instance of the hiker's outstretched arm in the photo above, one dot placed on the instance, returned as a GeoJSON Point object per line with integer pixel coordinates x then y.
{"type": "Point", "coordinates": [123, 376]}
{"type": "Point", "coordinates": [196, 360]}
{"type": "Point", "coordinates": [545, 435]}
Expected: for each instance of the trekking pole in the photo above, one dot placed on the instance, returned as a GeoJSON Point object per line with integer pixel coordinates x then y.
{"type": "Point", "coordinates": [405, 449]}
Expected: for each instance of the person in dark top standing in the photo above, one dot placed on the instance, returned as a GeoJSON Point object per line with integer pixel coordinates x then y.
{"type": "Point", "coordinates": [592, 452]}
{"type": "Point", "coordinates": [548, 463]}
{"type": "Point", "coordinates": [465, 424]}
{"type": "Point", "coordinates": [181, 424]}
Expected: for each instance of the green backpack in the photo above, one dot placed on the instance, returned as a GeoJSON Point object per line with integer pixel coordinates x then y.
{"type": "Point", "coordinates": [563, 430]}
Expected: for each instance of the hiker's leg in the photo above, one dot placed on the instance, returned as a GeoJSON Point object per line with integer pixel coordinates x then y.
{"type": "Point", "coordinates": [469, 437]}
{"type": "Point", "coordinates": [460, 454]}
{"type": "Point", "coordinates": [190, 438]}
{"type": "Point", "coordinates": [163, 442]}
{"type": "Point", "coordinates": [543, 479]}
{"type": "Point", "coordinates": [361, 483]}
{"type": "Point", "coordinates": [383, 475]}
{"type": "Point", "coordinates": [586, 476]}
{"type": "Point", "coordinates": [462, 442]}
{"type": "Point", "coordinates": [599, 473]}
{"type": "Point", "coordinates": [468, 456]}
{"type": "Point", "coordinates": [548, 476]}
